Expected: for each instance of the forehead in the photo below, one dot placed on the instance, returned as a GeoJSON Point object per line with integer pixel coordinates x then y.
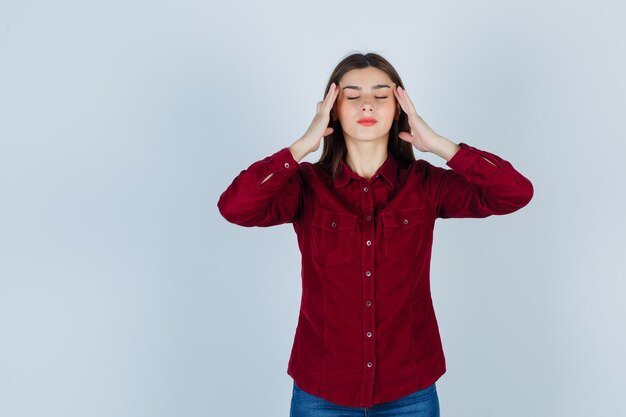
{"type": "Point", "coordinates": [365, 78]}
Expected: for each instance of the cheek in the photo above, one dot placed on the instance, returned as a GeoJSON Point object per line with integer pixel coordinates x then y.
{"type": "Point", "coordinates": [391, 107]}
{"type": "Point", "coordinates": [344, 108]}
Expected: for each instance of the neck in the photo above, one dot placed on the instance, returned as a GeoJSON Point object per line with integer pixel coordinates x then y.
{"type": "Point", "coordinates": [364, 158]}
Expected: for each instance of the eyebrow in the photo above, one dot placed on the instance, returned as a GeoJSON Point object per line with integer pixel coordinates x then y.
{"type": "Point", "coordinates": [374, 87]}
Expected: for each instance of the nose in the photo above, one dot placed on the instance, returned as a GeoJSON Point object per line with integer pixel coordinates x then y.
{"type": "Point", "coordinates": [367, 106]}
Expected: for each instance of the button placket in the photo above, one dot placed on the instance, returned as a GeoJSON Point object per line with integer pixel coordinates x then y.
{"type": "Point", "coordinates": [368, 233]}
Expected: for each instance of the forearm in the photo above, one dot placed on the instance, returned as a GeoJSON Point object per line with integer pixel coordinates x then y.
{"type": "Point", "coordinates": [443, 147]}
{"type": "Point", "coordinates": [446, 149]}
{"type": "Point", "coordinates": [252, 200]}
{"type": "Point", "coordinates": [476, 189]}
{"type": "Point", "coordinates": [299, 149]}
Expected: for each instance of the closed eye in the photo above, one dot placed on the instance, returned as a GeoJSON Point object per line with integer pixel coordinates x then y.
{"type": "Point", "coordinates": [354, 98]}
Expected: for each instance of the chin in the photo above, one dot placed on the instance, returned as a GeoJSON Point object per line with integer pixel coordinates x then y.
{"type": "Point", "coordinates": [369, 138]}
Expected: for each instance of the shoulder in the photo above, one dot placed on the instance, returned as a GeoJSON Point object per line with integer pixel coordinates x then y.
{"type": "Point", "coordinates": [311, 169]}
{"type": "Point", "coordinates": [307, 169]}
{"type": "Point", "coordinates": [426, 171]}
{"type": "Point", "coordinates": [314, 175]}
{"type": "Point", "coordinates": [421, 166]}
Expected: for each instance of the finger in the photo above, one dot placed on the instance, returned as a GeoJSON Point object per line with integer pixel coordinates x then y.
{"type": "Point", "coordinates": [396, 92]}
{"type": "Point", "coordinates": [405, 136]}
{"type": "Point", "coordinates": [330, 97]}
{"type": "Point", "coordinates": [330, 92]}
{"type": "Point", "coordinates": [401, 99]}
{"type": "Point", "coordinates": [402, 96]}
{"type": "Point", "coordinates": [407, 99]}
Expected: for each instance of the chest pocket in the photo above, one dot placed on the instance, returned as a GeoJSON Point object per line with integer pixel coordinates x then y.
{"type": "Point", "coordinates": [402, 232]}
{"type": "Point", "coordinates": [333, 234]}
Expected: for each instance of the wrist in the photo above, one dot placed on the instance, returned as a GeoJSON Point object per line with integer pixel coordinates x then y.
{"type": "Point", "coordinates": [298, 150]}
{"type": "Point", "coordinates": [443, 147]}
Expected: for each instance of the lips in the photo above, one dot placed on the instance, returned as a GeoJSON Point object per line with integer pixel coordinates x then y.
{"type": "Point", "coordinates": [367, 121]}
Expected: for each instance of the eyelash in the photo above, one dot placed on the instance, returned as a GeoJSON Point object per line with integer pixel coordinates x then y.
{"type": "Point", "coordinates": [354, 98]}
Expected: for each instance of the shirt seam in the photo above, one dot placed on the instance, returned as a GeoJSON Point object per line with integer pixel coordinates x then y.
{"type": "Point", "coordinates": [324, 350]}
{"type": "Point", "coordinates": [413, 353]}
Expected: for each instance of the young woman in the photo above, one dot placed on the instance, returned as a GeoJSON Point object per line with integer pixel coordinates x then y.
{"type": "Point", "coordinates": [367, 339]}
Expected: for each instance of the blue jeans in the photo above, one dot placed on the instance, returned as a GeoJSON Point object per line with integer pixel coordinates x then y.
{"type": "Point", "coordinates": [421, 403]}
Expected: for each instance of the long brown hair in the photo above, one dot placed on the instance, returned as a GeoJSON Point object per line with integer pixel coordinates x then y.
{"type": "Point", "coordinates": [334, 149]}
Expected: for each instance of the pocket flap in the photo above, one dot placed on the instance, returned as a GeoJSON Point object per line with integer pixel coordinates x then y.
{"type": "Point", "coordinates": [334, 221]}
{"type": "Point", "coordinates": [404, 218]}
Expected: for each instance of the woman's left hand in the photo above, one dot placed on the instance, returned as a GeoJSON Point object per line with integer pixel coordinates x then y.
{"type": "Point", "coordinates": [421, 136]}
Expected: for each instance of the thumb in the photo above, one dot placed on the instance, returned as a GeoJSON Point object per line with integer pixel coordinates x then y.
{"type": "Point", "coordinates": [406, 136]}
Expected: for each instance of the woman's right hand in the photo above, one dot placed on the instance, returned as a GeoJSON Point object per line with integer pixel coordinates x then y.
{"type": "Point", "coordinates": [310, 141]}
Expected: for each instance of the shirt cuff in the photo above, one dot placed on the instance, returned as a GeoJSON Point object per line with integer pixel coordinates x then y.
{"type": "Point", "coordinates": [466, 156]}
{"type": "Point", "coordinates": [283, 161]}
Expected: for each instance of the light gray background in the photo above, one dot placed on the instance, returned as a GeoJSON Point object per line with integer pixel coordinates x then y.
{"type": "Point", "coordinates": [124, 293]}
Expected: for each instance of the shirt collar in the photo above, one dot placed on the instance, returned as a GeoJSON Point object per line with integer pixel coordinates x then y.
{"type": "Point", "coordinates": [387, 171]}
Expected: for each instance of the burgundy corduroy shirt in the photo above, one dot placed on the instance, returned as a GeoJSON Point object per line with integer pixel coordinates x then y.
{"type": "Point", "coordinates": [367, 331]}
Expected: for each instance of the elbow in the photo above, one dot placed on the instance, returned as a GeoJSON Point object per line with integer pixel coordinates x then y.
{"type": "Point", "coordinates": [234, 214]}
{"type": "Point", "coordinates": [518, 200]}
{"type": "Point", "coordinates": [227, 211]}
{"type": "Point", "coordinates": [527, 192]}
{"type": "Point", "coordinates": [531, 192]}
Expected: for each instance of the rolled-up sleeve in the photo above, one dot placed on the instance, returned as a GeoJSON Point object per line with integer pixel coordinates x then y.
{"type": "Point", "coordinates": [475, 187]}
{"type": "Point", "coordinates": [251, 200]}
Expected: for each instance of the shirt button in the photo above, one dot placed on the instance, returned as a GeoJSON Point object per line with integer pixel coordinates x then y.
{"type": "Point", "coordinates": [406, 221]}
{"type": "Point", "coordinates": [333, 224]}
{"type": "Point", "coordinates": [369, 334]}
{"type": "Point", "coordinates": [286, 164]}
{"type": "Point", "coordinates": [368, 218]}
{"type": "Point", "coordinates": [368, 303]}
{"type": "Point", "coordinates": [365, 189]}
{"type": "Point", "coordinates": [368, 273]}
{"type": "Point", "coordinates": [369, 364]}
{"type": "Point", "coordinates": [368, 243]}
